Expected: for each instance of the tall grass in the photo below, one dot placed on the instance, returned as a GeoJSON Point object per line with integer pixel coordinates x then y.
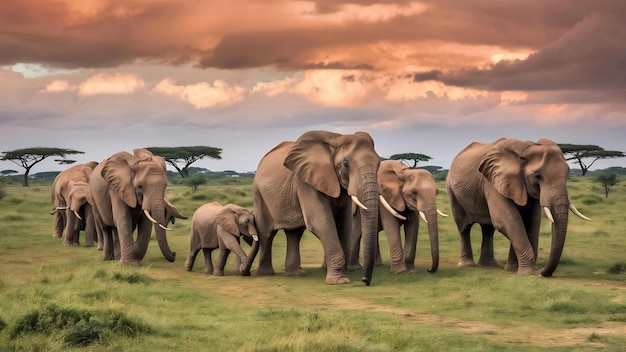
{"type": "Point", "coordinates": [67, 298]}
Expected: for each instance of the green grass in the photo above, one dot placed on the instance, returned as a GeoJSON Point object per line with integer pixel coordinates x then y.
{"type": "Point", "coordinates": [67, 298]}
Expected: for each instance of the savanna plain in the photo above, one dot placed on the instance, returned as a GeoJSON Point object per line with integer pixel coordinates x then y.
{"type": "Point", "coordinates": [67, 298]}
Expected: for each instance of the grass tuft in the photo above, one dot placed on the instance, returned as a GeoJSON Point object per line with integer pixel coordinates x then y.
{"type": "Point", "coordinates": [617, 268]}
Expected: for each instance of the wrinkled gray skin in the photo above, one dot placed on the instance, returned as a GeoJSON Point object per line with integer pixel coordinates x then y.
{"type": "Point", "coordinates": [503, 186]}
{"type": "Point", "coordinates": [70, 193]}
{"type": "Point", "coordinates": [220, 226]}
{"type": "Point", "coordinates": [408, 191]}
{"type": "Point", "coordinates": [308, 184]}
{"type": "Point", "coordinates": [122, 187]}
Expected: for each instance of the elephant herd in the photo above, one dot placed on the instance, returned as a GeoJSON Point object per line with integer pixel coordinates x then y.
{"type": "Point", "coordinates": [337, 187]}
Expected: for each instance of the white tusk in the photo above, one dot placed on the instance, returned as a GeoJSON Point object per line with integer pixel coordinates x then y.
{"type": "Point", "coordinates": [442, 213]}
{"type": "Point", "coordinates": [78, 216]}
{"type": "Point", "coordinates": [255, 238]}
{"type": "Point", "coordinates": [387, 206]}
{"type": "Point", "coordinates": [147, 213]}
{"type": "Point", "coordinates": [423, 216]}
{"type": "Point", "coordinates": [575, 211]}
{"type": "Point", "coordinates": [358, 202]}
{"type": "Point", "coordinates": [165, 228]}
{"type": "Point", "coordinates": [548, 214]}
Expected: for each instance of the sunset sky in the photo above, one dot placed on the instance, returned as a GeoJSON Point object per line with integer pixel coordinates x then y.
{"type": "Point", "coordinates": [101, 76]}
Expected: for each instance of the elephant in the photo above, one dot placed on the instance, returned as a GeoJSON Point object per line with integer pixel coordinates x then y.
{"type": "Point", "coordinates": [128, 192]}
{"type": "Point", "coordinates": [317, 183]}
{"type": "Point", "coordinates": [503, 186]}
{"type": "Point", "coordinates": [213, 226]}
{"type": "Point", "coordinates": [412, 192]}
{"type": "Point", "coordinates": [73, 213]}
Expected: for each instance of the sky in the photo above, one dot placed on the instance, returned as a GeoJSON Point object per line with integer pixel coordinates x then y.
{"type": "Point", "coordinates": [429, 77]}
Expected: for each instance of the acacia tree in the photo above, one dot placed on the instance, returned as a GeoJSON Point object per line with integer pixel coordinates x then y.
{"type": "Point", "coordinates": [29, 157]}
{"type": "Point", "coordinates": [607, 180]}
{"type": "Point", "coordinates": [578, 152]}
{"type": "Point", "coordinates": [414, 157]}
{"type": "Point", "coordinates": [186, 155]}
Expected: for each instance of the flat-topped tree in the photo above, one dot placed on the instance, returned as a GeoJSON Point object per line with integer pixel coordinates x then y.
{"type": "Point", "coordinates": [29, 157]}
{"type": "Point", "coordinates": [578, 152]}
{"type": "Point", "coordinates": [415, 157]}
{"type": "Point", "coordinates": [186, 155]}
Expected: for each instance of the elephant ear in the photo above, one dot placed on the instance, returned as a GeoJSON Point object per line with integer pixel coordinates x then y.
{"type": "Point", "coordinates": [173, 211]}
{"type": "Point", "coordinates": [227, 219]}
{"type": "Point", "coordinates": [389, 180]}
{"type": "Point", "coordinates": [503, 168]}
{"type": "Point", "coordinates": [118, 175]}
{"type": "Point", "coordinates": [310, 159]}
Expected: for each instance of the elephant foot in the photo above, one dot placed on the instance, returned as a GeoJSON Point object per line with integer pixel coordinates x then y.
{"type": "Point", "coordinates": [295, 272]}
{"type": "Point", "coordinates": [57, 235]}
{"type": "Point", "coordinates": [337, 280]}
{"type": "Point", "coordinates": [100, 248]}
{"type": "Point", "coordinates": [353, 267]}
{"type": "Point", "coordinates": [218, 273]}
{"type": "Point", "coordinates": [488, 262]}
{"type": "Point", "coordinates": [89, 245]}
{"type": "Point", "coordinates": [130, 262]}
{"type": "Point", "coordinates": [188, 265]}
{"type": "Point", "coordinates": [265, 271]}
{"type": "Point", "coordinates": [245, 273]}
{"type": "Point", "coordinates": [410, 268]}
{"type": "Point", "coordinates": [398, 268]}
{"type": "Point", "coordinates": [465, 262]}
{"type": "Point", "coordinates": [528, 271]}
{"type": "Point", "coordinates": [512, 267]}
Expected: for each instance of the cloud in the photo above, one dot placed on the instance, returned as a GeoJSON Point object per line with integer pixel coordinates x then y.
{"type": "Point", "coordinates": [202, 95]}
{"type": "Point", "coordinates": [103, 84]}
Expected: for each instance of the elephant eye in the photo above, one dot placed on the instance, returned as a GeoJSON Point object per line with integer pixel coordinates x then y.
{"type": "Point", "coordinates": [538, 176]}
{"type": "Point", "coordinates": [345, 164]}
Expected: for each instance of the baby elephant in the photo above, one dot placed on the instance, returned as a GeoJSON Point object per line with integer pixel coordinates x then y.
{"type": "Point", "coordinates": [219, 226]}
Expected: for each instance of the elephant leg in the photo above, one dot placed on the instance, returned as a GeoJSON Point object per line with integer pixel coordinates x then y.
{"type": "Point", "coordinates": [265, 257]}
{"type": "Point", "coordinates": [233, 244]}
{"type": "Point", "coordinates": [411, 231]}
{"type": "Point", "coordinates": [487, 257]}
{"type": "Point", "coordinates": [511, 264]}
{"type": "Point", "coordinates": [59, 224]}
{"type": "Point", "coordinates": [391, 226]}
{"type": "Point", "coordinates": [107, 243]}
{"type": "Point", "coordinates": [191, 258]}
{"type": "Point", "coordinates": [90, 229]}
{"type": "Point", "coordinates": [467, 256]}
{"type": "Point", "coordinates": [293, 265]}
{"type": "Point", "coordinates": [350, 236]}
{"type": "Point", "coordinates": [221, 261]}
{"type": "Point", "coordinates": [208, 262]}
{"type": "Point", "coordinates": [117, 251]}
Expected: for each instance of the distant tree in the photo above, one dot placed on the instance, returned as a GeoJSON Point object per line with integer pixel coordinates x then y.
{"type": "Point", "coordinates": [194, 181]}
{"type": "Point", "coordinates": [29, 157]}
{"type": "Point", "coordinates": [185, 155]}
{"type": "Point", "coordinates": [578, 152]}
{"type": "Point", "coordinates": [7, 172]}
{"type": "Point", "coordinates": [414, 157]}
{"type": "Point", "coordinates": [607, 180]}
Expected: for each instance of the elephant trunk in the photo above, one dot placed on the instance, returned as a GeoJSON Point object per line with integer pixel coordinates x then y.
{"type": "Point", "coordinates": [560, 211]}
{"type": "Point", "coordinates": [433, 234]}
{"type": "Point", "coordinates": [158, 209]}
{"type": "Point", "coordinates": [369, 221]}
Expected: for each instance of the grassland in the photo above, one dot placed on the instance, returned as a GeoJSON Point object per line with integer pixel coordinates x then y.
{"type": "Point", "coordinates": [67, 298]}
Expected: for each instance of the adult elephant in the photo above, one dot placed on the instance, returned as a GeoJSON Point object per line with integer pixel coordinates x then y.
{"type": "Point", "coordinates": [309, 184]}
{"type": "Point", "coordinates": [503, 186]}
{"type": "Point", "coordinates": [129, 192]}
{"type": "Point", "coordinates": [412, 192]}
{"type": "Point", "coordinates": [213, 226]}
{"type": "Point", "coordinates": [71, 210]}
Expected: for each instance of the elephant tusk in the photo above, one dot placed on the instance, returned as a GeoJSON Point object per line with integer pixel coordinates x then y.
{"type": "Point", "coordinates": [548, 214]}
{"type": "Point", "coordinates": [147, 213]}
{"type": "Point", "coordinates": [358, 202]}
{"type": "Point", "coordinates": [441, 213]}
{"type": "Point", "coordinates": [423, 216]}
{"type": "Point", "coordinates": [575, 211]}
{"type": "Point", "coordinates": [255, 238]}
{"type": "Point", "coordinates": [78, 216]}
{"type": "Point", "coordinates": [165, 228]}
{"type": "Point", "coordinates": [387, 206]}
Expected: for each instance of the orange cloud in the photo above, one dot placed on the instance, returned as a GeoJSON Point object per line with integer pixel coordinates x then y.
{"type": "Point", "coordinates": [202, 95]}
{"type": "Point", "coordinates": [117, 84]}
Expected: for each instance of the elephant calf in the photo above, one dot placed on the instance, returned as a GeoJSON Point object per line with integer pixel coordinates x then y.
{"type": "Point", "coordinates": [219, 226]}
